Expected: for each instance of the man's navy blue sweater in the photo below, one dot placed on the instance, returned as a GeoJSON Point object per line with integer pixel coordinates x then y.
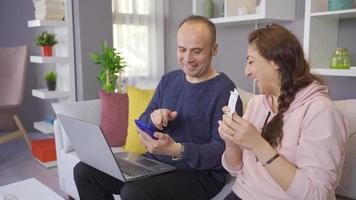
{"type": "Point", "coordinates": [199, 107]}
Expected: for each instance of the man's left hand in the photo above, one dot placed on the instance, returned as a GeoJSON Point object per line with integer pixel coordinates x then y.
{"type": "Point", "coordinates": [164, 145]}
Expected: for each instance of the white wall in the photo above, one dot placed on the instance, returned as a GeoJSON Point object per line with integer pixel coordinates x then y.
{"type": "Point", "coordinates": [92, 25]}
{"type": "Point", "coordinates": [232, 42]}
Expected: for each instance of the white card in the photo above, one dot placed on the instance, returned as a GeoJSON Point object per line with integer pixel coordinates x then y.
{"type": "Point", "coordinates": [234, 95]}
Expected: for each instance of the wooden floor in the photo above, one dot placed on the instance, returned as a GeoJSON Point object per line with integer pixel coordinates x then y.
{"type": "Point", "coordinates": [17, 163]}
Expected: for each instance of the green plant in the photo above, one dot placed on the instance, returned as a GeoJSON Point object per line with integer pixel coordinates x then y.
{"type": "Point", "coordinates": [111, 64]}
{"type": "Point", "coordinates": [50, 76]}
{"type": "Point", "coordinates": [46, 39]}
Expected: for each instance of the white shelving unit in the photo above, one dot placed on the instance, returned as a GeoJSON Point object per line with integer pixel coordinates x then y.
{"type": "Point", "coordinates": [270, 11]}
{"type": "Point", "coordinates": [63, 60]}
{"type": "Point", "coordinates": [321, 35]}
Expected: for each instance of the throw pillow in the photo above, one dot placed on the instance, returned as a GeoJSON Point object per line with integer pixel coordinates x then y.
{"type": "Point", "coordinates": [114, 113]}
{"type": "Point", "coordinates": [138, 101]}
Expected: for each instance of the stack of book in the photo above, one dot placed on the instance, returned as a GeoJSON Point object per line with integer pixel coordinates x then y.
{"type": "Point", "coordinates": [49, 9]}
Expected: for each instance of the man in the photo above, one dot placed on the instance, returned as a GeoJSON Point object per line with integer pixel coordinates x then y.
{"type": "Point", "coordinates": [186, 106]}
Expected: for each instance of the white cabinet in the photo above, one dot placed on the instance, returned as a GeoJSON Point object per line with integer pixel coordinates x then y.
{"type": "Point", "coordinates": [63, 60]}
{"type": "Point", "coordinates": [269, 11]}
{"type": "Point", "coordinates": [321, 29]}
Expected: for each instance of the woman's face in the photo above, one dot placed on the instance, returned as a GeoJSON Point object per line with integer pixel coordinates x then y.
{"type": "Point", "coordinates": [265, 72]}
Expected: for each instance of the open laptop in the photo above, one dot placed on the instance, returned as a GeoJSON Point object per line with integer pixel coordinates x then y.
{"type": "Point", "coordinates": [93, 149]}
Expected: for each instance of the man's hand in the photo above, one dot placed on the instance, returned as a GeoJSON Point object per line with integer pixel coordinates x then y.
{"type": "Point", "coordinates": [165, 145]}
{"type": "Point", "coordinates": [160, 117]}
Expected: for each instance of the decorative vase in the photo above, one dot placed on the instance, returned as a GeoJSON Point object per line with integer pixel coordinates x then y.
{"type": "Point", "coordinates": [339, 4]}
{"type": "Point", "coordinates": [51, 85]}
{"type": "Point", "coordinates": [340, 59]}
{"type": "Point", "coordinates": [47, 51]}
{"type": "Point", "coordinates": [114, 117]}
{"type": "Point", "coordinates": [120, 83]}
{"type": "Point", "coordinates": [209, 8]}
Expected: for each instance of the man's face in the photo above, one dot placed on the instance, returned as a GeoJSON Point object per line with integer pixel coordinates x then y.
{"type": "Point", "coordinates": [195, 50]}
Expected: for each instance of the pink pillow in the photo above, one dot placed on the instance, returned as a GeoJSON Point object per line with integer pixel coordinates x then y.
{"type": "Point", "coordinates": [114, 116]}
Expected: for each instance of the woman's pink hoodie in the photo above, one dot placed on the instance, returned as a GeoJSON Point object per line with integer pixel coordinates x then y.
{"type": "Point", "coordinates": [314, 134]}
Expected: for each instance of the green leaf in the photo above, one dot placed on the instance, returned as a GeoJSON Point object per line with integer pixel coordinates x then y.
{"type": "Point", "coordinates": [109, 59]}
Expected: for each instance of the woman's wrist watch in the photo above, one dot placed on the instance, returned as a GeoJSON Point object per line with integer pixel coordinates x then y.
{"type": "Point", "coordinates": [180, 155]}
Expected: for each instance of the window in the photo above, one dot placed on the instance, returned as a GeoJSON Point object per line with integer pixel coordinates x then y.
{"type": "Point", "coordinates": [138, 35]}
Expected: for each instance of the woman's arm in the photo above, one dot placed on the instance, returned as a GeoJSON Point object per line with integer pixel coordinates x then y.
{"type": "Point", "coordinates": [280, 169]}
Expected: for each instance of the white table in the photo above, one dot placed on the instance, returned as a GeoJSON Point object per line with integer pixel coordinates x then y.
{"type": "Point", "coordinates": [28, 189]}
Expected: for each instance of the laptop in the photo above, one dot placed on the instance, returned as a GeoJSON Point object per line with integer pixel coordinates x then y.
{"type": "Point", "coordinates": [93, 149]}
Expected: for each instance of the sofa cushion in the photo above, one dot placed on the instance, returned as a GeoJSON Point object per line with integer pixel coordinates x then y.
{"type": "Point", "coordinates": [245, 98]}
{"type": "Point", "coordinates": [114, 113]}
{"type": "Point", "coordinates": [138, 101]}
{"type": "Point", "coordinates": [347, 183]}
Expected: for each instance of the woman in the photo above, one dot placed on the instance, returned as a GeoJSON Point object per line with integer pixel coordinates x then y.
{"type": "Point", "coordinates": [290, 142]}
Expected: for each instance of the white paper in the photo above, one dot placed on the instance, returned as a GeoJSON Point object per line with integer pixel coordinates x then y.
{"type": "Point", "coordinates": [234, 95]}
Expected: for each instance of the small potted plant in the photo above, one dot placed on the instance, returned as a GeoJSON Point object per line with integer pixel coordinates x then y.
{"type": "Point", "coordinates": [112, 65]}
{"type": "Point", "coordinates": [46, 41]}
{"type": "Point", "coordinates": [51, 79]}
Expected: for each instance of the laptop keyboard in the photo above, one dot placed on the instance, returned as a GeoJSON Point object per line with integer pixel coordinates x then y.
{"type": "Point", "coordinates": [132, 169]}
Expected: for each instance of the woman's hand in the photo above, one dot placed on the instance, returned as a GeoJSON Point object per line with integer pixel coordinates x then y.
{"type": "Point", "coordinates": [239, 132]}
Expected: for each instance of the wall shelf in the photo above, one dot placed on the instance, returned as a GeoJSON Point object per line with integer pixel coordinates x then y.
{"type": "Point", "coordinates": [321, 29]}
{"type": "Point", "coordinates": [270, 11]}
{"type": "Point", "coordinates": [339, 14]}
{"type": "Point", "coordinates": [240, 20]}
{"type": "Point", "coordinates": [46, 23]}
{"type": "Point", "coordinates": [334, 72]}
{"type": "Point", "coordinates": [62, 61]}
{"type": "Point", "coordinates": [46, 94]}
{"type": "Point", "coordinates": [52, 59]}
{"type": "Point", "coordinates": [44, 127]}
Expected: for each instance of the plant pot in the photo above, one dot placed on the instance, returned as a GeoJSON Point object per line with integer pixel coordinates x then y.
{"type": "Point", "coordinates": [51, 85]}
{"type": "Point", "coordinates": [114, 117]}
{"type": "Point", "coordinates": [47, 51]}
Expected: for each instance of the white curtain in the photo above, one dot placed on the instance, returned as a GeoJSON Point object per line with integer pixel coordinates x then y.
{"type": "Point", "coordinates": [138, 35]}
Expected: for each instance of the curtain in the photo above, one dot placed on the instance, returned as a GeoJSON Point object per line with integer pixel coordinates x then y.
{"type": "Point", "coordinates": [138, 34]}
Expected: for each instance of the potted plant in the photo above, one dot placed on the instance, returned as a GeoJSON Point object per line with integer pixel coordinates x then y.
{"type": "Point", "coordinates": [46, 41]}
{"type": "Point", "coordinates": [114, 102]}
{"type": "Point", "coordinates": [112, 65]}
{"type": "Point", "coordinates": [51, 79]}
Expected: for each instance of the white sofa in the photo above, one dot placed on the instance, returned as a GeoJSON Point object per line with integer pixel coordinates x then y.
{"type": "Point", "coordinates": [90, 111]}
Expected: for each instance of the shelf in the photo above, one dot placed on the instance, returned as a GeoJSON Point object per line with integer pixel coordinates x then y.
{"type": "Point", "coordinates": [48, 23]}
{"type": "Point", "coordinates": [269, 11]}
{"type": "Point", "coordinates": [338, 14]}
{"type": "Point", "coordinates": [52, 59]}
{"type": "Point", "coordinates": [45, 94]}
{"type": "Point", "coordinates": [239, 20]}
{"type": "Point", "coordinates": [43, 126]}
{"type": "Point", "coordinates": [47, 165]}
{"type": "Point", "coordinates": [334, 72]}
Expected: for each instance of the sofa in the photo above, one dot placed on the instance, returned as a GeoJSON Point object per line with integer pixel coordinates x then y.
{"type": "Point", "coordinates": [90, 111]}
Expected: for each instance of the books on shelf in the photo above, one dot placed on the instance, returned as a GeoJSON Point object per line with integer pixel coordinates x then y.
{"type": "Point", "coordinates": [48, 15]}
{"type": "Point", "coordinates": [49, 9]}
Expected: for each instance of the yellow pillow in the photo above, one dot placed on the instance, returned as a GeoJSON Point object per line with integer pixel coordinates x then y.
{"type": "Point", "coordinates": [138, 101]}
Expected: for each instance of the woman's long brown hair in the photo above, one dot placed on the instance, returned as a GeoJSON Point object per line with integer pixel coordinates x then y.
{"type": "Point", "coordinates": [277, 44]}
